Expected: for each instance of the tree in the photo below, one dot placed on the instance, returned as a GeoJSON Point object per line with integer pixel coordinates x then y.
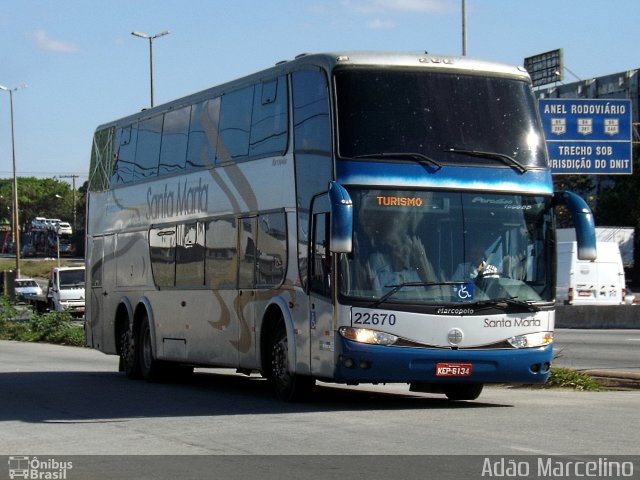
{"type": "Point", "coordinates": [37, 197]}
{"type": "Point", "coordinates": [619, 206]}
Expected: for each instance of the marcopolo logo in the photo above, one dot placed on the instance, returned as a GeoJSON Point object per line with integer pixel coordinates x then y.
{"type": "Point", "coordinates": [35, 468]}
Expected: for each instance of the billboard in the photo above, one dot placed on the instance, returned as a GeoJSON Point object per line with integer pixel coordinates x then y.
{"type": "Point", "coordinates": [545, 67]}
{"type": "Point", "coordinates": [588, 136]}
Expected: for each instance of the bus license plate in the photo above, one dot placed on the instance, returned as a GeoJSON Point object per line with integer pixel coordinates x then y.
{"type": "Point", "coordinates": [453, 369]}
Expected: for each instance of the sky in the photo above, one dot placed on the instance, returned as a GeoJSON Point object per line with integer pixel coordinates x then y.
{"type": "Point", "coordinates": [82, 66]}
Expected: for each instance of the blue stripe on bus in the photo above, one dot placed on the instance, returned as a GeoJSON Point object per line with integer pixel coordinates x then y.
{"type": "Point", "coordinates": [404, 175]}
{"type": "Point", "coordinates": [374, 363]}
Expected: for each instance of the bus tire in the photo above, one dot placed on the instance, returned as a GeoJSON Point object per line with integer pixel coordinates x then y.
{"type": "Point", "coordinates": [129, 356]}
{"type": "Point", "coordinates": [463, 391]}
{"type": "Point", "coordinates": [151, 369]}
{"type": "Point", "coordinates": [288, 386]}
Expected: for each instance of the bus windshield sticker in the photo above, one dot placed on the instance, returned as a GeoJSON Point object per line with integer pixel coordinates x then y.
{"type": "Point", "coordinates": [463, 292]}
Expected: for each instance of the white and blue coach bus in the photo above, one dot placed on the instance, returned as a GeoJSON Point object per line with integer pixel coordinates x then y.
{"type": "Point", "coordinates": [350, 217]}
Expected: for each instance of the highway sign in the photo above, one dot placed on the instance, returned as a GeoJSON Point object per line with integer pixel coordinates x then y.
{"type": "Point", "coordinates": [587, 136]}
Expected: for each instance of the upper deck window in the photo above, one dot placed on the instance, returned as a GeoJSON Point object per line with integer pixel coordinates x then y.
{"type": "Point", "coordinates": [452, 118]}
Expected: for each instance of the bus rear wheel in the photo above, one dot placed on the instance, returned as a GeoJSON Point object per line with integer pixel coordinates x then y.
{"type": "Point", "coordinates": [151, 369]}
{"type": "Point", "coordinates": [288, 386]}
{"type": "Point", "coordinates": [128, 355]}
{"type": "Point", "coordinates": [463, 391]}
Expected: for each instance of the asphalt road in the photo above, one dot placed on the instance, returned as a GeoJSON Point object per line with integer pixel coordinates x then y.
{"type": "Point", "coordinates": [71, 401]}
{"type": "Point", "coordinates": [598, 349]}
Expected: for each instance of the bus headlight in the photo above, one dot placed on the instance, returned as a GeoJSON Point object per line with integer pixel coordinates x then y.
{"type": "Point", "coordinates": [364, 335]}
{"type": "Point", "coordinates": [530, 340]}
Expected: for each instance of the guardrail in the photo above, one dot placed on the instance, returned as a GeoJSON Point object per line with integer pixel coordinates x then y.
{"type": "Point", "coordinates": [602, 316]}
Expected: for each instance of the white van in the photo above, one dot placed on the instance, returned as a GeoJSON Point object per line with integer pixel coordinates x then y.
{"type": "Point", "coordinates": [583, 282]}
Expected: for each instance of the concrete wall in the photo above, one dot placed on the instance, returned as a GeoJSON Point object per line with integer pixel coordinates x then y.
{"type": "Point", "coordinates": [583, 316]}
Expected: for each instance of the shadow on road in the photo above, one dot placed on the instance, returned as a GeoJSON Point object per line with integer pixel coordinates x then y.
{"type": "Point", "coordinates": [87, 397]}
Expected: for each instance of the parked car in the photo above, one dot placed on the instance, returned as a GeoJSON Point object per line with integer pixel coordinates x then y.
{"type": "Point", "coordinates": [50, 223]}
{"type": "Point", "coordinates": [27, 287]}
{"type": "Point", "coordinates": [38, 222]}
{"type": "Point", "coordinates": [63, 228]}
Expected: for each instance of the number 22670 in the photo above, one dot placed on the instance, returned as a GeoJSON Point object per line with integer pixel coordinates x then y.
{"type": "Point", "coordinates": [366, 318]}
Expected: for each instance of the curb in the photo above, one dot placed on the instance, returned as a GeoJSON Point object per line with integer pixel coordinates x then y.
{"type": "Point", "coordinates": [615, 379]}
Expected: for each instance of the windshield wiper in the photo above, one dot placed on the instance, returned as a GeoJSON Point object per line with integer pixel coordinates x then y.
{"type": "Point", "coordinates": [396, 288]}
{"type": "Point", "coordinates": [502, 157]}
{"type": "Point", "coordinates": [419, 157]}
{"type": "Point", "coordinates": [507, 301]}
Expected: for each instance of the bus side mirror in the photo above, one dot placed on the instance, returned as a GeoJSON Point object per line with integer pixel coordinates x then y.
{"type": "Point", "coordinates": [341, 237]}
{"type": "Point", "coordinates": [583, 222]}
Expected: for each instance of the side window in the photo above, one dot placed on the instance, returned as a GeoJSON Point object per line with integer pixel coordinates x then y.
{"type": "Point", "coordinates": [312, 126]}
{"type": "Point", "coordinates": [320, 264]}
{"type": "Point", "coordinates": [235, 125]}
{"type": "Point", "coordinates": [221, 264]}
{"type": "Point", "coordinates": [247, 260]}
{"type": "Point", "coordinates": [272, 249]}
{"type": "Point", "coordinates": [162, 248]}
{"type": "Point", "coordinates": [124, 155]}
{"type": "Point", "coordinates": [269, 119]}
{"type": "Point", "coordinates": [203, 134]}
{"type": "Point", "coordinates": [148, 148]}
{"type": "Point", "coordinates": [102, 159]}
{"type": "Point", "coordinates": [175, 136]}
{"type": "Point", "coordinates": [190, 254]}
{"type": "Point", "coordinates": [312, 149]}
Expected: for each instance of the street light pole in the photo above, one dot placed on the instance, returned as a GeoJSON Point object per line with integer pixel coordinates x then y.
{"type": "Point", "coordinates": [58, 237]}
{"type": "Point", "coordinates": [151, 38]}
{"type": "Point", "coordinates": [16, 221]}
{"type": "Point", "coordinates": [464, 28]}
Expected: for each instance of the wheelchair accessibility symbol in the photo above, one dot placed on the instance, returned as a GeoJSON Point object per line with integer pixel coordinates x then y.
{"type": "Point", "coordinates": [464, 292]}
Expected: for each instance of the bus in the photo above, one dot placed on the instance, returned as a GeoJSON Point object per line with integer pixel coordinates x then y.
{"type": "Point", "coordinates": [357, 217]}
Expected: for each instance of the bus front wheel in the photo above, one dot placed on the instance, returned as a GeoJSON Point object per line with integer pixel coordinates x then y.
{"type": "Point", "coordinates": [288, 386]}
{"type": "Point", "coordinates": [463, 391]}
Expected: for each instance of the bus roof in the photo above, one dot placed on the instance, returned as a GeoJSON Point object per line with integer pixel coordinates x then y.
{"type": "Point", "coordinates": [329, 61]}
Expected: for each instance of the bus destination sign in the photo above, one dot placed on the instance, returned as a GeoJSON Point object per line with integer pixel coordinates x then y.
{"type": "Point", "coordinates": [587, 136]}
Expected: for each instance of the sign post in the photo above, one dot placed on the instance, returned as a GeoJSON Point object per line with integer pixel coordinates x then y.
{"type": "Point", "coordinates": [588, 136]}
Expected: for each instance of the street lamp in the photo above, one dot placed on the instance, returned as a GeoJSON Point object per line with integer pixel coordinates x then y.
{"type": "Point", "coordinates": [464, 28]}
{"type": "Point", "coordinates": [16, 222]}
{"type": "Point", "coordinates": [151, 38]}
{"type": "Point", "coordinates": [58, 236]}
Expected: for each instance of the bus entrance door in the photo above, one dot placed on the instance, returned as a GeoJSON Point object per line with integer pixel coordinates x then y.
{"type": "Point", "coordinates": [101, 251]}
{"type": "Point", "coordinates": [320, 304]}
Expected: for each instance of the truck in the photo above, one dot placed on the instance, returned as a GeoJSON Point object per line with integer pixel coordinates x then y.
{"type": "Point", "coordinates": [584, 282]}
{"type": "Point", "coordinates": [623, 236]}
{"type": "Point", "coordinates": [48, 237]}
{"type": "Point", "coordinates": [64, 292]}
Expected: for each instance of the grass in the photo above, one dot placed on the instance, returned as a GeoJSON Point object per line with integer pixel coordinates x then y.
{"type": "Point", "coordinates": [35, 268]}
{"type": "Point", "coordinates": [52, 327]}
{"type": "Point", "coordinates": [567, 378]}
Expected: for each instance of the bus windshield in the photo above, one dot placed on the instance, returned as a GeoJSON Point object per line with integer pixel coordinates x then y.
{"type": "Point", "coordinates": [447, 118]}
{"type": "Point", "coordinates": [442, 247]}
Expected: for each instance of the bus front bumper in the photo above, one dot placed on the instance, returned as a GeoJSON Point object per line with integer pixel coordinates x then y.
{"type": "Point", "coordinates": [362, 363]}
